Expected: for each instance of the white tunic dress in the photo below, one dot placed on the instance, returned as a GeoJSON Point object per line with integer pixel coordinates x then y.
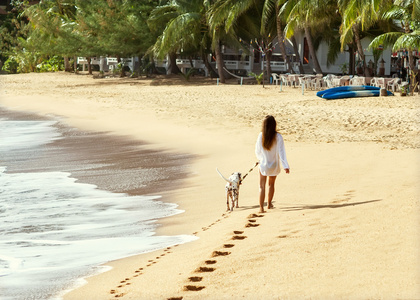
{"type": "Point", "coordinates": [270, 159]}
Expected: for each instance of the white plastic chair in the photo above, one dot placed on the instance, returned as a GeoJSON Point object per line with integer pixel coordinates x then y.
{"type": "Point", "coordinates": [394, 84]}
{"type": "Point", "coordinates": [380, 82]}
{"type": "Point", "coordinates": [373, 82]}
{"type": "Point", "coordinates": [283, 79]}
{"type": "Point", "coordinates": [275, 78]}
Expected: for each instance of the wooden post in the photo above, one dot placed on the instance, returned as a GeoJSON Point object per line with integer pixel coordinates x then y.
{"type": "Point", "coordinates": [384, 92]}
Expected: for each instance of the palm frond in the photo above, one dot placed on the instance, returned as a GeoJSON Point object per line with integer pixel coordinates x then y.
{"type": "Point", "coordinates": [408, 41]}
{"type": "Point", "coordinates": [386, 40]}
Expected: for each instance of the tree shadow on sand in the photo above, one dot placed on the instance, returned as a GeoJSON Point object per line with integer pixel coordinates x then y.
{"type": "Point", "coordinates": [309, 206]}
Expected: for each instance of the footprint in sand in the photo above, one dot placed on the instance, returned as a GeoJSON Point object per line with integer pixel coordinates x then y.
{"type": "Point", "coordinates": [193, 288]}
{"type": "Point", "coordinates": [176, 298]}
{"type": "Point", "coordinates": [204, 269]}
{"type": "Point", "coordinates": [239, 237]}
{"type": "Point", "coordinates": [220, 253]}
{"type": "Point", "coordinates": [210, 262]}
{"type": "Point", "coordinates": [252, 225]}
{"type": "Point", "coordinates": [195, 279]}
{"type": "Point", "coordinates": [228, 245]}
{"type": "Point", "coordinates": [119, 295]}
{"type": "Point", "coordinates": [251, 216]}
{"type": "Point", "coordinates": [238, 232]}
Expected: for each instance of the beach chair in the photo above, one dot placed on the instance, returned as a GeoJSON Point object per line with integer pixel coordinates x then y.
{"type": "Point", "coordinates": [373, 82]}
{"type": "Point", "coordinates": [292, 80]}
{"type": "Point", "coordinates": [276, 78]}
{"type": "Point", "coordinates": [380, 82]}
{"type": "Point", "coordinates": [306, 81]}
{"type": "Point", "coordinates": [328, 81]}
{"type": "Point", "coordinates": [394, 85]}
{"type": "Point", "coordinates": [283, 79]}
{"type": "Point", "coordinates": [344, 80]}
{"type": "Point", "coordinates": [318, 82]}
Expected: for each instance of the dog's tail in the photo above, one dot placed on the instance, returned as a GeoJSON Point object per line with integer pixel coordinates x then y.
{"type": "Point", "coordinates": [221, 175]}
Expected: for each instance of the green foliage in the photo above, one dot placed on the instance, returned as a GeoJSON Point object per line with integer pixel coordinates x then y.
{"type": "Point", "coordinates": [188, 75]}
{"type": "Point", "coordinates": [117, 69]}
{"type": "Point", "coordinates": [344, 68]}
{"type": "Point", "coordinates": [13, 27]}
{"type": "Point", "coordinates": [22, 62]}
{"type": "Point", "coordinates": [11, 65]}
{"type": "Point", "coordinates": [259, 77]}
{"type": "Point", "coordinates": [125, 28]}
{"type": "Point", "coordinates": [54, 64]}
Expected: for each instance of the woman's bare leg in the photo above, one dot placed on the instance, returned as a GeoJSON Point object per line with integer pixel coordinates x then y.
{"type": "Point", "coordinates": [271, 182]}
{"type": "Point", "coordinates": [263, 180]}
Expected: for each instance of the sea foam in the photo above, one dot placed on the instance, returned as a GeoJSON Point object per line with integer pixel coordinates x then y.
{"type": "Point", "coordinates": [56, 230]}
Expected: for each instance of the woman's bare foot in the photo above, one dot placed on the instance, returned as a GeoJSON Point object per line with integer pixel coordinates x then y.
{"type": "Point", "coordinates": [270, 206]}
{"type": "Point", "coordinates": [262, 211]}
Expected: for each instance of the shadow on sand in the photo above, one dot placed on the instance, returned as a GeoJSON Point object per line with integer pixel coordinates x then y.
{"type": "Point", "coordinates": [310, 206]}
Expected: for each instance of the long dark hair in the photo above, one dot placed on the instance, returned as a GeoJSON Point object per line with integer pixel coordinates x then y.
{"type": "Point", "coordinates": [269, 132]}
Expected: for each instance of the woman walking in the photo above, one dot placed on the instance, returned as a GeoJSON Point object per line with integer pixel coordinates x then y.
{"type": "Point", "coordinates": [270, 151]}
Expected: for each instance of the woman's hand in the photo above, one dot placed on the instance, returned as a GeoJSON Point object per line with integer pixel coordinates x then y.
{"type": "Point", "coordinates": [287, 171]}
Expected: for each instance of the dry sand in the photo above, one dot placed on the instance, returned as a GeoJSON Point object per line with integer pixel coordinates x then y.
{"type": "Point", "coordinates": [346, 219]}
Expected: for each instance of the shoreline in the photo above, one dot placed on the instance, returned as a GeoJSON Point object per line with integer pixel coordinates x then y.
{"type": "Point", "coordinates": [340, 214]}
{"type": "Point", "coordinates": [107, 163]}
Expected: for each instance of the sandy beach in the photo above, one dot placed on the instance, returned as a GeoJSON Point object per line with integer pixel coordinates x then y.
{"type": "Point", "coordinates": [346, 220]}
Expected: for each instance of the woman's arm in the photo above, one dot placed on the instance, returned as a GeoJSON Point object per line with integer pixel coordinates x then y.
{"type": "Point", "coordinates": [282, 153]}
{"type": "Point", "coordinates": [258, 147]}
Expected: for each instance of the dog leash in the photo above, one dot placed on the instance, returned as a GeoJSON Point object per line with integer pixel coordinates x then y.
{"type": "Point", "coordinates": [250, 170]}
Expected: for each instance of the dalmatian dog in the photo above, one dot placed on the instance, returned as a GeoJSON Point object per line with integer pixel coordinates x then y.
{"type": "Point", "coordinates": [232, 189]}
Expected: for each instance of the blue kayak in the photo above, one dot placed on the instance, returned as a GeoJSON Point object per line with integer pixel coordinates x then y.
{"type": "Point", "coordinates": [347, 88]}
{"type": "Point", "coordinates": [353, 94]}
{"type": "Point", "coordinates": [351, 91]}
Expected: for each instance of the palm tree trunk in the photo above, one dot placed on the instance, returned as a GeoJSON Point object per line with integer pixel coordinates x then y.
{"type": "Point", "coordinates": [268, 60]}
{"type": "Point", "coordinates": [280, 38]}
{"type": "Point", "coordinates": [296, 50]}
{"type": "Point", "coordinates": [312, 49]}
{"type": "Point", "coordinates": [173, 68]}
{"type": "Point", "coordinates": [360, 51]}
{"type": "Point", "coordinates": [412, 64]}
{"type": "Point", "coordinates": [67, 67]}
{"type": "Point", "coordinates": [220, 62]}
{"type": "Point", "coordinates": [89, 66]}
{"type": "Point", "coordinates": [75, 64]}
{"type": "Point", "coordinates": [210, 69]}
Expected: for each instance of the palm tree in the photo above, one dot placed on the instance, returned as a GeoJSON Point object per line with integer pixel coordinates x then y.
{"type": "Point", "coordinates": [304, 15]}
{"type": "Point", "coordinates": [407, 12]}
{"type": "Point", "coordinates": [186, 30]}
{"type": "Point", "coordinates": [222, 17]}
{"type": "Point", "coordinates": [358, 16]}
{"type": "Point", "coordinates": [271, 7]}
{"type": "Point", "coordinates": [226, 15]}
{"type": "Point", "coordinates": [274, 6]}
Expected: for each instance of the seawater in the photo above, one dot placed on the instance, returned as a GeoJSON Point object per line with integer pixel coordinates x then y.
{"type": "Point", "coordinates": [55, 231]}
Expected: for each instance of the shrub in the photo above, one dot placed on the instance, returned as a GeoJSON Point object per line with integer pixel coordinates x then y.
{"type": "Point", "coordinates": [259, 77]}
{"type": "Point", "coordinates": [11, 65]}
{"type": "Point", "coordinates": [54, 64]}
